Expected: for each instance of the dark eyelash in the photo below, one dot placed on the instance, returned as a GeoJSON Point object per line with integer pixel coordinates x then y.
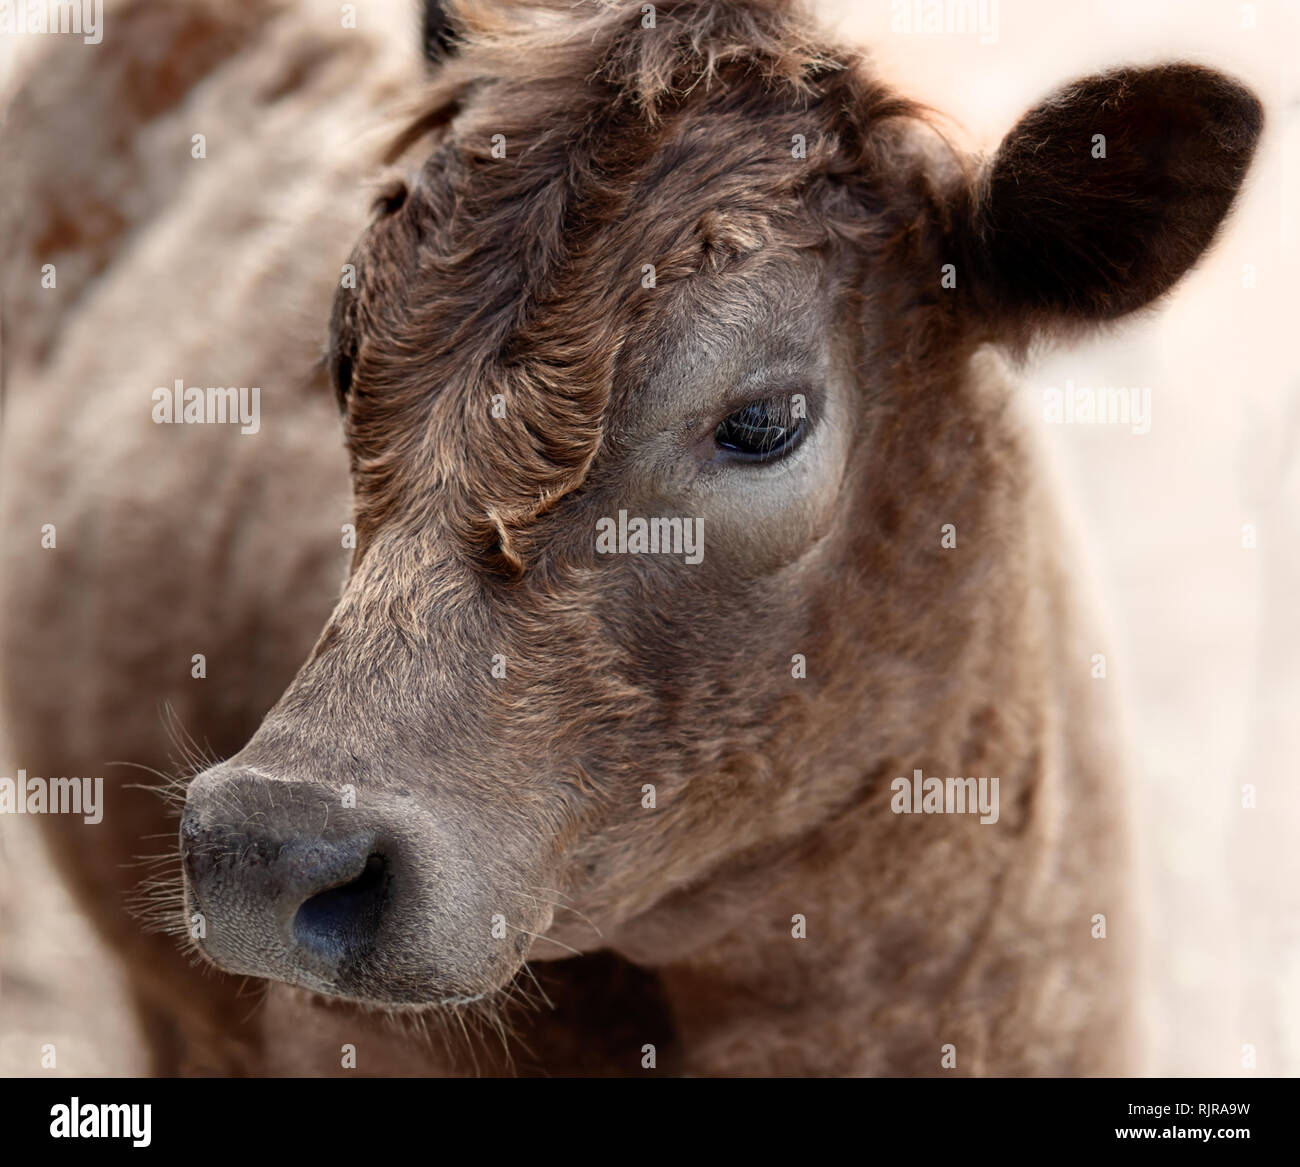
{"type": "Point", "coordinates": [762, 430]}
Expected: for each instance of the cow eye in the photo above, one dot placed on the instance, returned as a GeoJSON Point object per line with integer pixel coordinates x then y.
{"type": "Point", "coordinates": [761, 431]}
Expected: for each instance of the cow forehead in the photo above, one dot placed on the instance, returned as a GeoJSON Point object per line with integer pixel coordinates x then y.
{"type": "Point", "coordinates": [496, 310]}
{"type": "Point", "coordinates": [564, 202]}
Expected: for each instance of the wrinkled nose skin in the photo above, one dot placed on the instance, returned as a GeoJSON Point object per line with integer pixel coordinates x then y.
{"type": "Point", "coordinates": [308, 906]}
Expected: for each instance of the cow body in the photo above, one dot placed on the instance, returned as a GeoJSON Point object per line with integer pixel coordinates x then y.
{"type": "Point", "coordinates": [766, 910]}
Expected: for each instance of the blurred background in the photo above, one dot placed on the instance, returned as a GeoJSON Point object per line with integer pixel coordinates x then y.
{"type": "Point", "coordinates": [1192, 532]}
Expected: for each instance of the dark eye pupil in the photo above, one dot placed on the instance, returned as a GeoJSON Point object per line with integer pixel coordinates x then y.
{"type": "Point", "coordinates": [763, 429]}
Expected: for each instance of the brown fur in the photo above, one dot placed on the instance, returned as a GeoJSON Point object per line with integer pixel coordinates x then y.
{"type": "Point", "coordinates": [522, 796]}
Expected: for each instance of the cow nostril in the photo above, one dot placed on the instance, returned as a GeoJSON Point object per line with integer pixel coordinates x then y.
{"type": "Point", "coordinates": [372, 875]}
{"type": "Point", "coordinates": [343, 921]}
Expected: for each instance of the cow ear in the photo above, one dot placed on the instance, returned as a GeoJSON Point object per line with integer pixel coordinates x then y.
{"type": "Point", "coordinates": [438, 34]}
{"type": "Point", "coordinates": [1100, 198]}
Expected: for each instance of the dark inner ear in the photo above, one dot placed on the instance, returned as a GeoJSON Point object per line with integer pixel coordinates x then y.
{"type": "Point", "coordinates": [1069, 226]}
{"type": "Point", "coordinates": [437, 35]}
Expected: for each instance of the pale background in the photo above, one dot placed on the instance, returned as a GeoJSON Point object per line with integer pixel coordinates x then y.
{"type": "Point", "coordinates": [1206, 632]}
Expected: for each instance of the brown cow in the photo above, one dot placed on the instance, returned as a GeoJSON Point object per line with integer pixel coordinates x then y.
{"type": "Point", "coordinates": [821, 787]}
